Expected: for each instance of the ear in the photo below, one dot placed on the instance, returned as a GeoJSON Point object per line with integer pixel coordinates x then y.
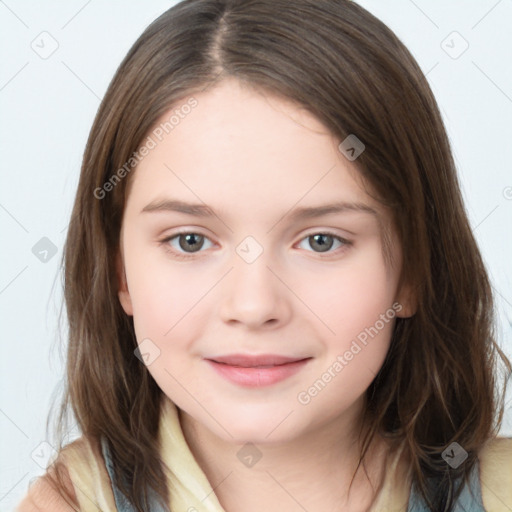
{"type": "Point", "coordinates": [406, 301]}
{"type": "Point", "coordinates": [123, 293]}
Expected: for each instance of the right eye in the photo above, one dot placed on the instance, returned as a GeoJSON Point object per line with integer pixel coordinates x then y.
{"type": "Point", "coordinates": [188, 243]}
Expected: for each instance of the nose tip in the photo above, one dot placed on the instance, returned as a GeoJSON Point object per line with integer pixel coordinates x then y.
{"type": "Point", "coordinates": [253, 295]}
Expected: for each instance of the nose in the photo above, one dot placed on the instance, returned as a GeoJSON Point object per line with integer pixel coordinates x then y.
{"type": "Point", "coordinates": [254, 294]}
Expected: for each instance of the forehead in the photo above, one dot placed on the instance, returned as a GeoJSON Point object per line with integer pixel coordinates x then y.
{"type": "Point", "coordinates": [248, 148]}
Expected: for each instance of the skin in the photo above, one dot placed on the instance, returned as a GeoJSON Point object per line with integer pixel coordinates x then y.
{"type": "Point", "coordinates": [253, 157]}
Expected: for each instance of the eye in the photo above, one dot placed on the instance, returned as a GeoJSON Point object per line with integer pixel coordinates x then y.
{"type": "Point", "coordinates": [185, 244]}
{"type": "Point", "coordinates": [188, 243]}
{"type": "Point", "coordinates": [324, 241]}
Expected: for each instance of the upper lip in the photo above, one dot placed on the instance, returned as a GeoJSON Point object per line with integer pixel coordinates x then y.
{"type": "Point", "coordinates": [248, 361]}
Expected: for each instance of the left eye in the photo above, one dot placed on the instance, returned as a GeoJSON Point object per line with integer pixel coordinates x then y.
{"type": "Point", "coordinates": [323, 242]}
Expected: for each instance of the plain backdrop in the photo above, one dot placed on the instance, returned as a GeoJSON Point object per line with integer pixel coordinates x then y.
{"type": "Point", "coordinates": [56, 63]}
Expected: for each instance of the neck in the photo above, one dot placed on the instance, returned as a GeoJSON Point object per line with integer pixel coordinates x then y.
{"type": "Point", "coordinates": [312, 471]}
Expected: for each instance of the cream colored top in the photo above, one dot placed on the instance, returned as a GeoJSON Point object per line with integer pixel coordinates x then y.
{"type": "Point", "coordinates": [191, 490]}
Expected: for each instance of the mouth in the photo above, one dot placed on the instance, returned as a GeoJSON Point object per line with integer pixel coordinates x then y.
{"type": "Point", "coordinates": [256, 361]}
{"type": "Point", "coordinates": [257, 371]}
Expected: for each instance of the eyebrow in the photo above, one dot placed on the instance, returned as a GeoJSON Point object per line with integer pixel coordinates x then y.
{"type": "Point", "coordinates": [300, 213]}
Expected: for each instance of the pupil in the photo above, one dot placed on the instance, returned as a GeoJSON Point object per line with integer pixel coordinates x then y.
{"type": "Point", "coordinates": [191, 240]}
{"type": "Point", "coordinates": [322, 245]}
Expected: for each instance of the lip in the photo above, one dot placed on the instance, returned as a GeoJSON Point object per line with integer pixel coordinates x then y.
{"type": "Point", "coordinates": [257, 371]}
{"type": "Point", "coordinates": [247, 360]}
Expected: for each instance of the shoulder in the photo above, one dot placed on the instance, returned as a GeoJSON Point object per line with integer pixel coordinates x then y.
{"type": "Point", "coordinates": [81, 467]}
{"type": "Point", "coordinates": [42, 496]}
{"type": "Point", "coordinates": [495, 459]}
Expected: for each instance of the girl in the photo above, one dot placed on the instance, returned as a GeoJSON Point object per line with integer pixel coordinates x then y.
{"type": "Point", "coordinates": [274, 295]}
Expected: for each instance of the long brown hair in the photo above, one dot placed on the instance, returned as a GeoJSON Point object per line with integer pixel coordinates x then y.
{"type": "Point", "coordinates": [337, 60]}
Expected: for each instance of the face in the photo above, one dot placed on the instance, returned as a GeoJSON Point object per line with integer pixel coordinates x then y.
{"type": "Point", "coordinates": [259, 268]}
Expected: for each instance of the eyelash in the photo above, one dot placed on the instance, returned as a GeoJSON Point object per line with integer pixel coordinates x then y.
{"type": "Point", "coordinates": [184, 256]}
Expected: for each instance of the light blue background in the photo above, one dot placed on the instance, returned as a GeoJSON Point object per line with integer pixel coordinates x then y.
{"type": "Point", "coordinates": [47, 108]}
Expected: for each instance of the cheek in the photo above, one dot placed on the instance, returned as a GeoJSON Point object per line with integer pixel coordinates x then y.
{"type": "Point", "coordinates": [356, 308]}
{"type": "Point", "coordinates": [165, 296]}
{"type": "Point", "coordinates": [353, 296]}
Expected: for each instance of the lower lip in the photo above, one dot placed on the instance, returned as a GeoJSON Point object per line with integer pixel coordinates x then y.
{"type": "Point", "coordinates": [257, 377]}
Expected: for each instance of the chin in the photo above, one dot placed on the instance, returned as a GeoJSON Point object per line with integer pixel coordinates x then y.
{"type": "Point", "coordinates": [257, 428]}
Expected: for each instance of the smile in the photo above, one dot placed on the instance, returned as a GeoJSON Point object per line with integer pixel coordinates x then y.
{"type": "Point", "coordinates": [249, 374]}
